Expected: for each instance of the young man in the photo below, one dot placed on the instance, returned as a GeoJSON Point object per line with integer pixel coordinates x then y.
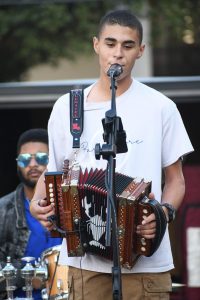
{"type": "Point", "coordinates": [21, 235]}
{"type": "Point", "coordinates": [156, 140]}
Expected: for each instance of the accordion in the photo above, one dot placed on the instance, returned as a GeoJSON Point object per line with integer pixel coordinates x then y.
{"type": "Point", "coordinates": [80, 200]}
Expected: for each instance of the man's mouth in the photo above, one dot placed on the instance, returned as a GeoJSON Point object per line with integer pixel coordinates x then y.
{"type": "Point", "coordinates": [34, 173]}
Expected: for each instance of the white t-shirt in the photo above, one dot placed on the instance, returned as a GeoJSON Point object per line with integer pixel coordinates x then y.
{"type": "Point", "coordinates": [156, 138]}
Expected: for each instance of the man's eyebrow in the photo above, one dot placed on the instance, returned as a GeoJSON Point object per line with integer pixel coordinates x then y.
{"type": "Point", "coordinates": [129, 42]}
{"type": "Point", "coordinates": [110, 39]}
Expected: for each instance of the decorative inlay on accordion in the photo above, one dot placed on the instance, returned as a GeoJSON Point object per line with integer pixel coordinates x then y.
{"type": "Point", "coordinates": [80, 200]}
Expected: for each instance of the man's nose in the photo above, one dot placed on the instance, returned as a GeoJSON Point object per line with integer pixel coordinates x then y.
{"type": "Point", "coordinates": [33, 162]}
{"type": "Point", "coordinates": [118, 52]}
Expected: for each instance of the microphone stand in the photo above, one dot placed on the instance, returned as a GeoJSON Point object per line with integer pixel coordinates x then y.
{"type": "Point", "coordinates": [115, 139]}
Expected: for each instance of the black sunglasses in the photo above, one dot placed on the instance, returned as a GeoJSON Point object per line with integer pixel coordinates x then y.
{"type": "Point", "coordinates": [23, 160]}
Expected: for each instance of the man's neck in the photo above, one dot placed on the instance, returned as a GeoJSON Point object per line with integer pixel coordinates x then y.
{"type": "Point", "coordinates": [28, 192]}
{"type": "Point", "coordinates": [101, 91]}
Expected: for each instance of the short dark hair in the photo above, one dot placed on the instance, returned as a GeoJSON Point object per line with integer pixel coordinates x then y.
{"type": "Point", "coordinates": [123, 18]}
{"type": "Point", "coordinates": [32, 135]}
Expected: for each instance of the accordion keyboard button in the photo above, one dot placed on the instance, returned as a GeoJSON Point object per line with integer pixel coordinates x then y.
{"type": "Point", "coordinates": [143, 241]}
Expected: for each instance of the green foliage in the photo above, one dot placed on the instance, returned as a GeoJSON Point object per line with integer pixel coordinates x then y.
{"type": "Point", "coordinates": [30, 35]}
{"type": "Point", "coordinates": [34, 34]}
{"type": "Point", "coordinates": [177, 21]}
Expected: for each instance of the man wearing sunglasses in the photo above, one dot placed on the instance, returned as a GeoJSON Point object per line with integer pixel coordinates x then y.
{"type": "Point", "coordinates": [21, 235]}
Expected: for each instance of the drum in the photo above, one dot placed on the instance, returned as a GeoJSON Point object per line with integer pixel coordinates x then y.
{"type": "Point", "coordinates": [57, 282]}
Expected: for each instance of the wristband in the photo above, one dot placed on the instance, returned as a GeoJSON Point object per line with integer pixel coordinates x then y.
{"type": "Point", "coordinates": [171, 212]}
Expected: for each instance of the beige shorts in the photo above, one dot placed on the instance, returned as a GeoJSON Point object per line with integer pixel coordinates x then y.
{"type": "Point", "coordinates": [87, 285]}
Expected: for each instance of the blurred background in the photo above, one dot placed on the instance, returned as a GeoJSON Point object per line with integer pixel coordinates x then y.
{"type": "Point", "coordinates": [46, 49]}
{"type": "Point", "coordinates": [46, 39]}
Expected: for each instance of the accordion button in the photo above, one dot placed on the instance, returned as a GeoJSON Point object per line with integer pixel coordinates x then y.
{"type": "Point", "coordinates": [51, 195]}
{"type": "Point", "coordinates": [143, 249]}
{"type": "Point", "coordinates": [120, 231]}
{"type": "Point", "coordinates": [76, 221]}
{"type": "Point", "coordinates": [51, 200]}
{"type": "Point", "coordinates": [145, 211]}
{"type": "Point", "coordinates": [50, 190]}
{"type": "Point", "coordinates": [143, 241]}
{"type": "Point", "coordinates": [50, 185]}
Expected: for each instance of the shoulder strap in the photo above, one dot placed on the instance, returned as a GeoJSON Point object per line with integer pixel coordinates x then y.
{"type": "Point", "coordinates": [76, 115]}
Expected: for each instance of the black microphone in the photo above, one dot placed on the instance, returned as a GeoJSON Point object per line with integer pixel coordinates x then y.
{"type": "Point", "coordinates": [115, 70]}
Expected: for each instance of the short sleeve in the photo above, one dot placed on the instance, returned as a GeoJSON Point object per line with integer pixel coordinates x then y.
{"type": "Point", "coordinates": [175, 140]}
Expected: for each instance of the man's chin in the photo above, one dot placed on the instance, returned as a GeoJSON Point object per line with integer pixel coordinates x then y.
{"type": "Point", "coordinates": [30, 182]}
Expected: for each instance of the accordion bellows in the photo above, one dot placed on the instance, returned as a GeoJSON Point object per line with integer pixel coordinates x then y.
{"type": "Point", "coordinates": [80, 200]}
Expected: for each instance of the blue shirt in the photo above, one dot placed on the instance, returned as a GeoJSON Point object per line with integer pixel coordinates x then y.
{"type": "Point", "coordinates": [39, 241]}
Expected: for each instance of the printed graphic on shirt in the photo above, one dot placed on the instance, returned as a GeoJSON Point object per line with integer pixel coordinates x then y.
{"type": "Point", "coordinates": [134, 145]}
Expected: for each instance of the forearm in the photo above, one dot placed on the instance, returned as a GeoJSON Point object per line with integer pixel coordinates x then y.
{"type": "Point", "coordinates": [173, 193]}
{"type": "Point", "coordinates": [40, 191]}
{"type": "Point", "coordinates": [174, 188]}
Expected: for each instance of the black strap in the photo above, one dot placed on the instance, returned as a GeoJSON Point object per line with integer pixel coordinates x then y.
{"type": "Point", "coordinates": [161, 224]}
{"type": "Point", "coordinates": [76, 115]}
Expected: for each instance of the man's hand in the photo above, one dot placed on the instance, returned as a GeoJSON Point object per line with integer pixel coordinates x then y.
{"type": "Point", "coordinates": [147, 228]}
{"type": "Point", "coordinates": [41, 211]}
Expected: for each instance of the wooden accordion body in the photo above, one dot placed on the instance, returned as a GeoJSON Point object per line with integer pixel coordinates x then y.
{"type": "Point", "coordinates": [80, 200]}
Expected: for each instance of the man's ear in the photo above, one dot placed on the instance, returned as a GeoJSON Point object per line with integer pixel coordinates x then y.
{"type": "Point", "coordinates": [96, 44]}
{"type": "Point", "coordinates": [141, 51]}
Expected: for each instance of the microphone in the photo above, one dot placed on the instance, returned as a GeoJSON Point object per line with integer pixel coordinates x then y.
{"type": "Point", "coordinates": [115, 70]}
